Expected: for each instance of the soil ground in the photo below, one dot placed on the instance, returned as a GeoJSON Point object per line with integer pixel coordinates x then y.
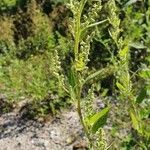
{"type": "Point", "coordinates": [60, 133]}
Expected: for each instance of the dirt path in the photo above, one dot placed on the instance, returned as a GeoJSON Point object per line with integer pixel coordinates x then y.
{"type": "Point", "coordinates": [61, 133]}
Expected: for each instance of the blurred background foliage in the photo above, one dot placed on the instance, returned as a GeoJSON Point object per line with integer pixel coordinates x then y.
{"type": "Point", "coordinates": [31, 31]}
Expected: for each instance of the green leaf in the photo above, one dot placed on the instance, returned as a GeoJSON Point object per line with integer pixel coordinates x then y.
{"type": "Point", "coordinates": [92, 76]}
{"type": "Point", "coordinates": [146, 127]}
{"type": "Point", "coordinates": [145, 73]}
{"type": "Point", "coordinates": [94, 24]}
{"type": "Point", "coordinates": [98, 120]}
{"type": "Point", "coordinates": [101, 73]}
{"type": "Point", "coordinates": [10, 2]}
{"type": "Point", "coordinates": [142, 95]}
{"type": "Point", "coordinates": [72, 93]}
{"type": "Point", "coordinates": [130, 2]}
{"type": "Point", "coordinates": [148, 58]}
{"type": "Point", "coordinates": [120, 86]}
{"type": "Point", "coordinates": [134, 119]}
{"type": "Point", "coordinates": [72, 78]}
{"type": "Point", "coordinates": [138, 45]}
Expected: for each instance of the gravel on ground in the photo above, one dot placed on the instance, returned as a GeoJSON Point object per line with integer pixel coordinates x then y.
{"type": "Point", "coordinates": [63, 132]}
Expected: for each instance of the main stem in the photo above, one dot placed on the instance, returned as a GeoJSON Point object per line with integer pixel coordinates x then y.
{"type": "Point", "coordinates": [79, 110]}
{"type": "Point", "coordinates": [78, 88]}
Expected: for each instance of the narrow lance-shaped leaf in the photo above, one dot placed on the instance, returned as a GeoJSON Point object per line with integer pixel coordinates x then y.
{"type": "Point", "coordinates": [120, 86]}
{"type": "Point", "coordinates": [94, 24]}
{"type": "Point", "coordinates": [138, 45]}
{"type": "Point", "coordinates": [130, 2]}
{"type": "Point", "coordinates": [101, 73]}
{"type": "Point", "coordinates": [98, 120]}
{"type": "Point", "coordinates": [134, 119]}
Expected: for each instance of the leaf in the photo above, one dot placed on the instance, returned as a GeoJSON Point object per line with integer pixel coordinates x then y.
{"type": "Point", "coordinates": [99, 119]}
{"type": "Point", "coordinates": [72, 93]}
{"type": "Point", "coordinates": [130, 2]}
{"type": "Point", "coordinates": [101, 73]}
{"type": "Point", "coordinates": [92, 76]}
{"type": "Point", "coordinates": [94, 24]}
{"type": "Point", "coordinates": [71, 77]}
{"type": "Point", "coordinates": [142, 95]}
{"type": "Point", "coordinates": [134, 119]}
{"type": "Point", "coordinates": [138, 45]}
{"type": "Point", "coordinates": [120, 86]}
{"type": "Point", "coordinates": [146, 127]}
{"type": "Point", "coordinates": [148, 58]}
{"type": "Point", "coordinates": [145, 74]}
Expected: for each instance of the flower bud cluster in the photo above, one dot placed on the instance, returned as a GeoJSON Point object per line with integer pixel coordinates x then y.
{"type": "Point", "coordinates": [56, 65]}
{"type": "Point", "coordinates": [74, 6]}
{"type": "Point", "coordinates": [57, 69]}
{"type": "Point", "coordinates": [88, 103]}
{"type": "Point", "coordinates": [114, 21]}
{"type": "Point", "coordinates": [79, 25]}
{"type": "Point", "coordinates": [123, 77]}
{"type": "Point", "coordinates": [81, 63]}
{"type": "Point", "coordinates": [92, 14]}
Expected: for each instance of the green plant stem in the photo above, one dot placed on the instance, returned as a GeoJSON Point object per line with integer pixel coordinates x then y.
{"type": "Point", "coordinates": [78, 86]}
{"type": "Point", "coordinates": [81, 117]}
{"type": "Point", "coordinates": [79, 110]}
